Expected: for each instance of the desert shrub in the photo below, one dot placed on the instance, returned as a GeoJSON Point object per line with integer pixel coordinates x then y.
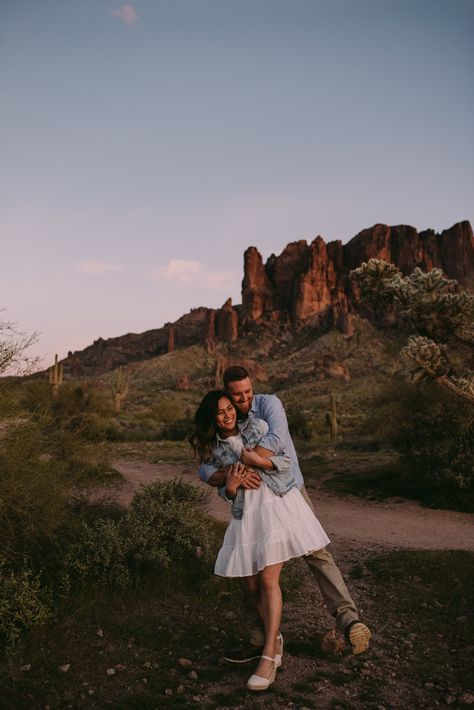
{"type": "Point", "coordinates": [81, 409]}
{"type": "Point", "coordinates": [24, 605]}
{"type": "Point", "coordinates": [33, 491]}
{"type": "Point", "coordinates": [178, 430]}
{"type": "Point", "coordinates": [298, 423]}
{"type": "Point", "coordinates": [434, 434]}
{"type": "Point", "coordinates": [166, 524]}
{"type": "Point", "coordinates": [100, 555]}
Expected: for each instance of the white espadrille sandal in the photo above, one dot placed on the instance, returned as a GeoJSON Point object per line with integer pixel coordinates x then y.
{"type": "Point", "coordinates": [257, 682]}
{"type": "Point", "coordinates": [279, 656]}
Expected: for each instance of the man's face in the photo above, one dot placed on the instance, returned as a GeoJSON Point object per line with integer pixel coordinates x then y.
{"type": "Point", "coordinates": [241, 394]}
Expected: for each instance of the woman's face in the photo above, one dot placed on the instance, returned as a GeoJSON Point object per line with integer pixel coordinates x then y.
{"type": "Point", "coordinates": [226, 417]}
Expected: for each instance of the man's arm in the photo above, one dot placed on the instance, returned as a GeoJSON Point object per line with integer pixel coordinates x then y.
{"type": "Point", "coordinates": [278, 434]}
{"type": "Point", "coordinates": [211, 474]}
{"type": "Point", "coordinates": [264, 458]}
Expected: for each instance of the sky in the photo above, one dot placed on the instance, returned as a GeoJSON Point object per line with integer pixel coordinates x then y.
{"type": "Point", "coordinates": [145, 146]}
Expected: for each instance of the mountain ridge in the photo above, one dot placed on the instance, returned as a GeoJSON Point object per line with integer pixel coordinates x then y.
{"type": "Point", "coordinates": [306, 286]}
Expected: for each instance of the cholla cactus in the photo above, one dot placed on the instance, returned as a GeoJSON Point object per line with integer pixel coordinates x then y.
{"type": "Point", "coordinates": [429, 305]}
{"type": "Point", "coordinates": [427, 355]}
{"type": "Point", "coordinates": [120, 388]}
{"type": "Point", "coordinates": [56, 376]}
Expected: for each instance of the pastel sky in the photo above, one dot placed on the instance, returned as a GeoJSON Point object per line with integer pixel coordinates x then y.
{"type": "Point", "coordinates": [145, 146]}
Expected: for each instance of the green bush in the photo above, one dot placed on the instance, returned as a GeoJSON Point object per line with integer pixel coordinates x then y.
{"type": "Point", "coordinates": [166, 524]}
{"type": "Point", "coordinates": [179, 430]}
{"type": "Point", "coordinates": [33, 491]}
{"type": "Point", "coordinates": [434, 434]}
{"type": "Point", "coordinates": [24, 605]}
{"type": "Point", "coordinates": [298, 423]}
{"type": "Point", "coordinates": [100, 556]}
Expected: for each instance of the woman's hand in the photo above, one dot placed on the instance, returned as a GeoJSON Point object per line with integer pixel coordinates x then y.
{"type": "Point", "coordinates": [239, 475]}
{"type": "Point", "coordinates": [234, 479]}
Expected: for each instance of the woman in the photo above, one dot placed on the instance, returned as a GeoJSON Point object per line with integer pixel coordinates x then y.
{"type": "Point", "coordinates": [269, 525]}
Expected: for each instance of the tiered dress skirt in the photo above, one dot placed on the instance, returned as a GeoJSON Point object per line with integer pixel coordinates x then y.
{"type": "Point", "coordinates": [273, 529]}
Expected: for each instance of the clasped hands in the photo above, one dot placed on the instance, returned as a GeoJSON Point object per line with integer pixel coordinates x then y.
{"type": "Point", "coordinates": [238, 475]}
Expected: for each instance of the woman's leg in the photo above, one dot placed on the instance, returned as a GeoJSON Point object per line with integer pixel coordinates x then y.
{"type": "Point", "coordinates": [253, 601]}
{"type": "Point", "coordinates": [271, 605]}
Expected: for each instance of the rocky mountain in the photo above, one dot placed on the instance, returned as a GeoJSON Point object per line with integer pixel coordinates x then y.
{"type": "Point", "coordinates": [307, 285]}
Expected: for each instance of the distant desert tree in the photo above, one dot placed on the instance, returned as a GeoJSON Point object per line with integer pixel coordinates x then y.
{"type": "Point", "coordinates": [438, 316]}
{"type": "Point", "coordinates": [13, 347]}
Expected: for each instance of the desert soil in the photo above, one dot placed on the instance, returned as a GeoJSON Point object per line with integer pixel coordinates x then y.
{"type": "Point", "coordinates": [395, 523]}
{"type": "Point", "coordinates": [376, 680]}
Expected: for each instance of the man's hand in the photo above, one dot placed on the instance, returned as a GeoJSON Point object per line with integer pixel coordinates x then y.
{"type": "Point", "coordinates": [238, 476]}
{"type": "Point", "coordinates": [250, 479]}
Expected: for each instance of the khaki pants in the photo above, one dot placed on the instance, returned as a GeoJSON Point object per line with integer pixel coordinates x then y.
{"type": "Point", "coordinates": [333, 589]}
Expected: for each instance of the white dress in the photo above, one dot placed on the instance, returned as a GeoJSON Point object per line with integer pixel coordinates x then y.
{"type": "Point", "coordinates": [272, 529]}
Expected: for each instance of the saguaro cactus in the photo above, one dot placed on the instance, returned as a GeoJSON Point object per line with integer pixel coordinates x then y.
{"type": "Point", "coordinates": [120, 388]}
{"type": "Point", "coordinates": [331, 417]}
{"type": "Point", "coordinates": [56, 376]}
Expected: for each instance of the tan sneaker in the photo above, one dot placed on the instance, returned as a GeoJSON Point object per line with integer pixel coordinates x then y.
{"type": "Point", "coordinates": [359, 636]}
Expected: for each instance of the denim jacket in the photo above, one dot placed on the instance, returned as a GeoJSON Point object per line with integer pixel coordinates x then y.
{"type": "Point", "coordinates": [280, 480]}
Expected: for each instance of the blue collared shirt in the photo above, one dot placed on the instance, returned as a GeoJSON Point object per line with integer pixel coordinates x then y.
{"type": "Point", "coordinates": [269, 408]}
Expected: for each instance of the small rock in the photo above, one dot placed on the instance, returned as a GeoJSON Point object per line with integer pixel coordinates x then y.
{"type": "Point", "coordinates": [147, 664]}
{"type": "Point", "coordinates": [461, 619]}
{"type": "Point", "coordinates": [466, 699]}
{"type": "Point", "coordinates": [155, 664]}
{"type": "Point", "coordinates": [185, 662]}
{"type": "Point", "coordinates": [120, 667]}
{"type": "Point", "coordinates": [65, 668]}
{"type": "Point", "coordinates": [91, 691]}
{"type": "Point", "coordinates": [100, 633]}
{"type": "Point", "coordinates": [230, 616]}
{"type": "Point", "coordinates": [25, 669]}
{"type": "Point", "coordinates": [180, 689]}
{"type": "Point", "coordinates": [429, 686]}
{"type": "Point", "coordinates": [450, 699]}
{"type": "Point", "coordinates": [144, 681]}
{"type": "Point", "coordinates": [168, 691]}
{"type": "Point", "coordinates": [110, 671]}
{"type": "Point", "coordinates": [193, 675]}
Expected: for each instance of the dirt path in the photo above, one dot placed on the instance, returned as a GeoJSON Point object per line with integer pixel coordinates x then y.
{"type": "Point", "coordinates": [396, 523]}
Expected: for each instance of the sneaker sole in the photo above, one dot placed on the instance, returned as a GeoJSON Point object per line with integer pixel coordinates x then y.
{"type": "Point", "coordinates": [359, 637]}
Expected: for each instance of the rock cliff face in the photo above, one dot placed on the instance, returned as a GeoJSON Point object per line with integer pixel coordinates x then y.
{"type": "Point", "coordinates": [311, 284]}
{"type": "Point", "coordinates": [307, 284]}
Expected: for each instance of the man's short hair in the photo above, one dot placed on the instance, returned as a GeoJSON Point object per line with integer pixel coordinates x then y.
{"type": "Point", "coordinates": [234, 373]}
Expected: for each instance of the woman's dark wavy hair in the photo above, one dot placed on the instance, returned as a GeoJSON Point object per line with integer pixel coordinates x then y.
{"type": "Point", "coordinates": [205, 422]}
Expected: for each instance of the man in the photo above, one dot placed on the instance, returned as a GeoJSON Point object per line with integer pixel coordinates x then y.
{"type": "Point", "coordinates": [238, 386]}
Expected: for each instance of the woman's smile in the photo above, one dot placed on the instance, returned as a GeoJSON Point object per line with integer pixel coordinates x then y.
{"type": "Point", "coordinates": [226, 417]}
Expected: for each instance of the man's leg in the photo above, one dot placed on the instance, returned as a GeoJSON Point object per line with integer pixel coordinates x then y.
{"type": "Point", "coordinates": [336, 595]}
{"type": "Point", "coordinates": [252, 649]}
